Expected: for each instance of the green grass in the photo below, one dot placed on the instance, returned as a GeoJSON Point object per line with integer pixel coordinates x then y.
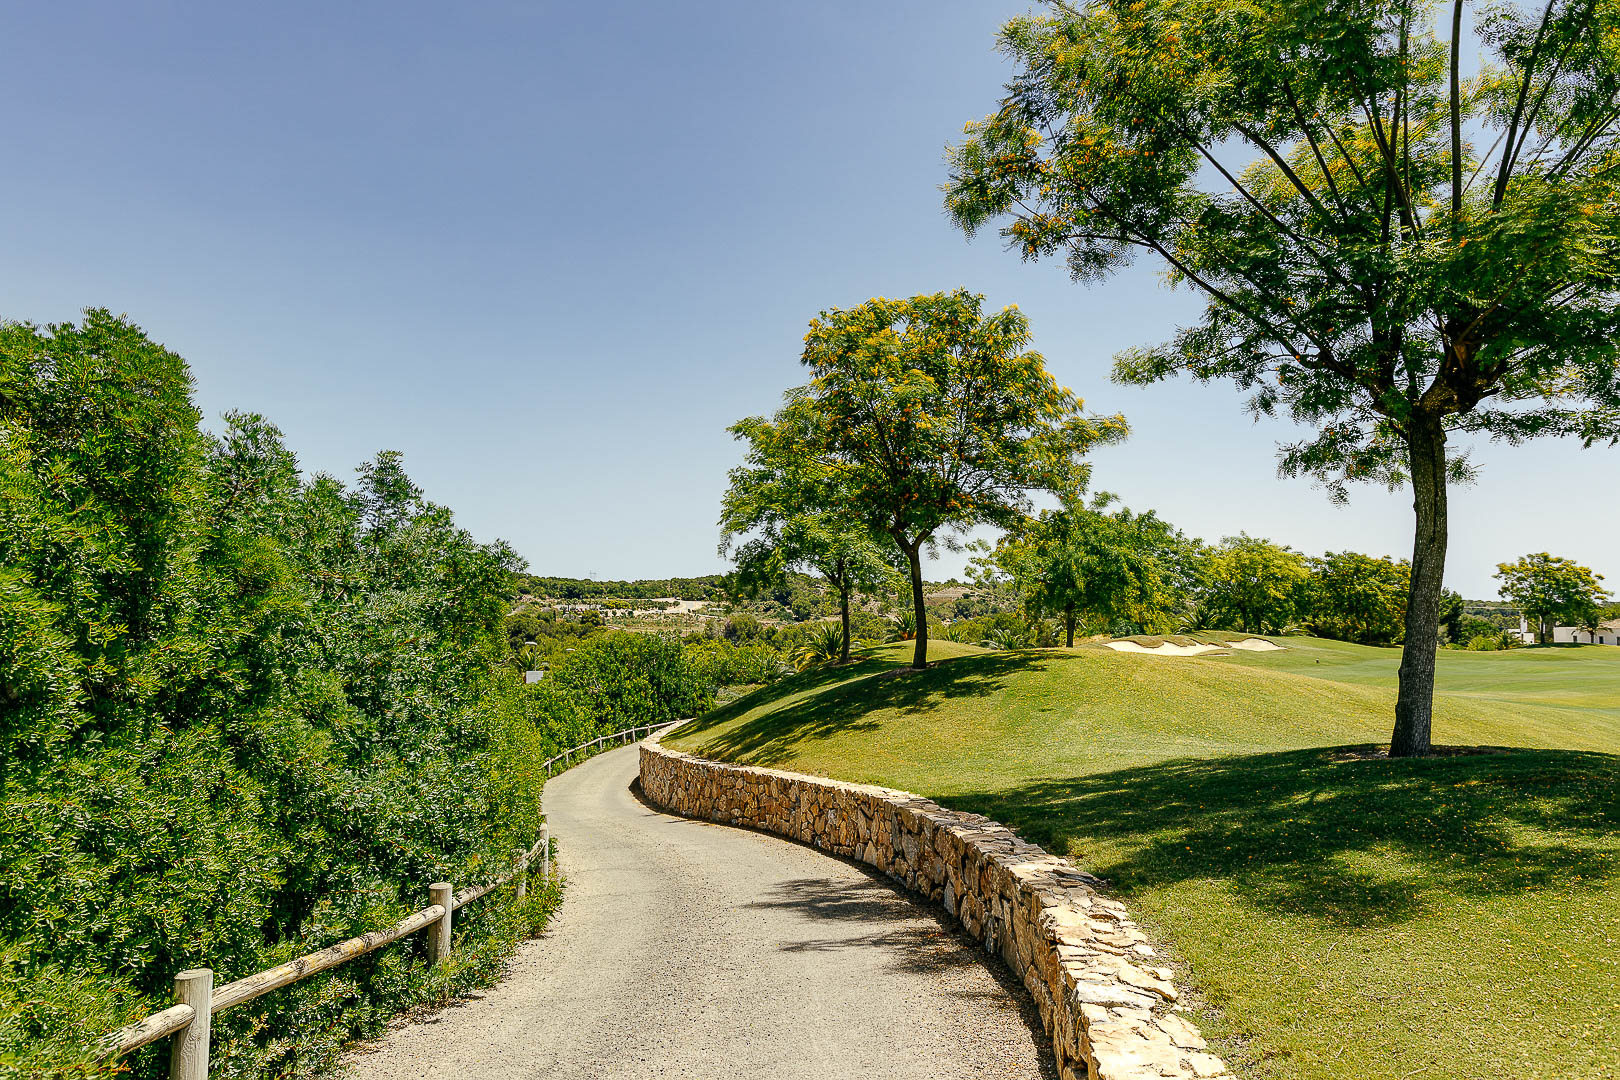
{"type": "Point", "coordinates": [1342, 914]}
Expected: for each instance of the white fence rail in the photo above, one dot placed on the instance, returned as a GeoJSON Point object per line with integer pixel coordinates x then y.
{"type": "Point", "coordinates": [197, 999]}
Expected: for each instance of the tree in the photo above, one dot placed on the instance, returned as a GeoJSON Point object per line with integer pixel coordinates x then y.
{"type": "Point", "coordinates": [1355, 597]}
{"type": "Point", "coordinates": [1082, 563]}
{"type": "Point", "coordinates": [1452, 615]}
{"type": "Point", "coordinates": [1254, 585]}
{"type": "Point", "coordinates": [790, 505]}
{"type": "Point", "coordinates": [1316, 180]}
{"type": "Point", "coordinates": [935, 417]}
{"type": "Point", "coordinates": [1551, 589]}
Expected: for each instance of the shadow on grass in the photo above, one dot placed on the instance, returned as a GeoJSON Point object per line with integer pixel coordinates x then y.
{"type": "Point", "coordinates": [1336, 834]}
{"type": "Point", "coordinates": [868, 686]}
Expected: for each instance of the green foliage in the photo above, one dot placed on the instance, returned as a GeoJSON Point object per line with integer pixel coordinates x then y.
{"type": "Point", "coordinates": [710, 587]}
{"type": "Point", "coordinates": [726, 664]}
{"type": "Point", "coordinates": [1089, 567]}
{"type": "Point", "coordinates": [621, 680]}
{"type": "Point", "coordinates": [825, 645]}
{"type": "Point", "coordinates": [743, 627]}
{"type": "Point", "coordinates": [795, 515]}
{"type": "Point", "coordinates": [1480, 635]}
{"type": "Point", "coordinates": [1551, 589]}
{"type": "Point", "coordinates": [974, 631]}
{"type": "Point", "coordinates": [1353, 597]}
{"type": "Point", "coordinates": [246, 714]}
{"type": "Point", "coordinates": [1391, 254]}
{"type": "Point", "coordinates": [934, 417]}
{"type": "Point", "coordinates": [1010, 637]}
{"type": "Point", "coordinates": [1254, 585]}
{"type": "Point", "coordinates": [1356, 272]}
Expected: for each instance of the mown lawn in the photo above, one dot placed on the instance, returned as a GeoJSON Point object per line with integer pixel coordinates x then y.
{"type": "Point", "coordinates": [1343, 915]}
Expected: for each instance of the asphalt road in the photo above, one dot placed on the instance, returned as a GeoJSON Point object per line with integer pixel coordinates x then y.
{"type": "Point", "coordinates": [685, 949]}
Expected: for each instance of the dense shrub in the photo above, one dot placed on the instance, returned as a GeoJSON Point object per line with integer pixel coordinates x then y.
{"type": "Point", "coordinates": [725, 664]}
{"type": "Point", "coordinates": [245, 713]}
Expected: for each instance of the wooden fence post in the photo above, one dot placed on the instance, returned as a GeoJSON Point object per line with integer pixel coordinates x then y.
{"type": "Point", "coordinates": [438, 943]}
{"type": "Point", "coordinates": [545, 854]}
{"type": "Point", "coordinates": [522, 874]}
{"type": "Point", "coordinates": [188, 1057]}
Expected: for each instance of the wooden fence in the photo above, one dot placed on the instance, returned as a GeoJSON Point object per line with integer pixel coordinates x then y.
{"type": "Point", "coordinates": [197, 999]}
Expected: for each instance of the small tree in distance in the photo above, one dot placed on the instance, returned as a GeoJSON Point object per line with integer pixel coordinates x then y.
{"type": "Point", "coordinates": [1551, 589]}
{"type": "Point", "coordinates": [930, 417]}
{"type": "Point", "coordinates": [787, 504]}
{"type": "Point", "coordinates": [1081, 563]}
{"type": "Point", "coordinates": [1361, 598]}
{"type": "Point", "coordinates": [1254, 585]}
{"type": "Point", "coordinates": [1319, 180]}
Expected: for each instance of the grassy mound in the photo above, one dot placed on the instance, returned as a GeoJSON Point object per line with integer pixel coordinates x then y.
{"type": "Point", "coordinates": [1347, 916]}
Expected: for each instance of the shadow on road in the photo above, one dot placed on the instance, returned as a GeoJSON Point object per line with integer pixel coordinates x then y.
{"type": "Point", "coordinates": [870, 913]}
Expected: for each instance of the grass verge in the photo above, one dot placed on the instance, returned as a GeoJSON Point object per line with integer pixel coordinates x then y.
{"type": "Point", "coordinates": [1343, 914]}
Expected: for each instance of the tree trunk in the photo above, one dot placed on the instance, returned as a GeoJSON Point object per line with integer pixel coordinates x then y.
{"type": "Point", "coordinates": [843, 609]}
{"type": "Point", "coordinates": [1414, 704]}
{"type": "Point", "coordinates": [919, 658]}
{"type": "Point", "coordinates": [1068, 627]}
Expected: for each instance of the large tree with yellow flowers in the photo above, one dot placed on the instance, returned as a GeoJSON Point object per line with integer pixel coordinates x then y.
{"type": "Point", "coordinates": [1393, 252]}
{"type": "Point", "coordinates": [929, 417]}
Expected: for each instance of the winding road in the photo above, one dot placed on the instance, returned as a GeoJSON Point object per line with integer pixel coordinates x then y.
{"type": "Point", "coordinates": [684, 949]}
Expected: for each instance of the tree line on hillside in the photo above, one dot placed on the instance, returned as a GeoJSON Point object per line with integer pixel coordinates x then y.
{"type": "Point", "coordinates": [246, 713]}
{"type": "Point", "coordinates": [708, 587]}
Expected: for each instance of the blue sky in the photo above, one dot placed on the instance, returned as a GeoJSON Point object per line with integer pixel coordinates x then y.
{"type": "Point", "coordinates": [550, 251]}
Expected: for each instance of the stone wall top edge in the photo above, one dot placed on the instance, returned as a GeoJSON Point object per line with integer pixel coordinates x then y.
{"type": "Point", "coordinates": [920, 802]}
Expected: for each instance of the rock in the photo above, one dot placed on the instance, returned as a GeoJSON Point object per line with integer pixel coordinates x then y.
{"type": "Point", "coordinates": [1182, 1033]}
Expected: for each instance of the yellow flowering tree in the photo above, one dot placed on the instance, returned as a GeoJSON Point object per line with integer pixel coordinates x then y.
{"type": "Point", "coordinates": [932, 417]}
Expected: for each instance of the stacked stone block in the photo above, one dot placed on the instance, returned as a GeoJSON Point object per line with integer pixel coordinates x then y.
{"type": "Point", "coordinates": [1111, 1013]}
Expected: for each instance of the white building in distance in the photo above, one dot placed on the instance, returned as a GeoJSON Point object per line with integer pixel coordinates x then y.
{"type": "Point", "coordinates": [1607, 633]}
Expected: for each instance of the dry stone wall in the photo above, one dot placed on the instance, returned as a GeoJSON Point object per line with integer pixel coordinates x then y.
{"type": "Point", "coordinates": [1111, 1013]}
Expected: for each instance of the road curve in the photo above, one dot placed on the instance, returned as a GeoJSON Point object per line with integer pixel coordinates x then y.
{"type": "Point", "coordinates": [691, 950]}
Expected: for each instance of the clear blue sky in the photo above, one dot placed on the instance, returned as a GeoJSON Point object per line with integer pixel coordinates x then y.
{"type": "Point", "coordinates": [549, 251]}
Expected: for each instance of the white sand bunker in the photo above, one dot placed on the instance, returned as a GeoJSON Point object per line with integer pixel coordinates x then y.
{"type": "Point", "coordinates": [1164, 648]}
{"type": "Point", "coordinates": [1170, 648]}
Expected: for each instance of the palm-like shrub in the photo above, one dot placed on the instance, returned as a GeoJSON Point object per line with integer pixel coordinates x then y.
{"type": "Point", "coordinates": [1008, 638]}
{"type": "Point", "coordinates": [824, 646]}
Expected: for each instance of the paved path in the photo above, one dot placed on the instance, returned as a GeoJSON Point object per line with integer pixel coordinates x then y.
{"type": "Point", "coordinates": [692, 950]}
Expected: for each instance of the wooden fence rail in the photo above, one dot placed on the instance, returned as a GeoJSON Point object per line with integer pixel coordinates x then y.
{"type": "Point", "coordinates": [197, 999]}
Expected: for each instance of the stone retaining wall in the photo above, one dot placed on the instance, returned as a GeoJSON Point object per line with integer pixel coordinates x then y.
{"type": "Point", "coordinates": [1111, 1014]}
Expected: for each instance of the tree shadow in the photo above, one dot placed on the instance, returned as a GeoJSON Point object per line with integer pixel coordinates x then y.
{"type": "Point", "coordinates": [867, 687]}
{"type": "Point", "coordinates": [869, 913]}
{"type": "Point", "coordinates": [1341, 834]}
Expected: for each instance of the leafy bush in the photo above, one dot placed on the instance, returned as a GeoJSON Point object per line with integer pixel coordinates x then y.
{"type": "Point", "coordinates": [247, 713]}
{"type": "Point", "coordinates": [725, 664]}
{"type": "Point", "coordinates": [1009, 638]}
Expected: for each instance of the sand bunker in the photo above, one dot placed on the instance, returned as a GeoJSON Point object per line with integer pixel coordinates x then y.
{"type": "Point", "coordinates": [1162, 649]}
{"type": "Point", "coordinates": [1166, 648]}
